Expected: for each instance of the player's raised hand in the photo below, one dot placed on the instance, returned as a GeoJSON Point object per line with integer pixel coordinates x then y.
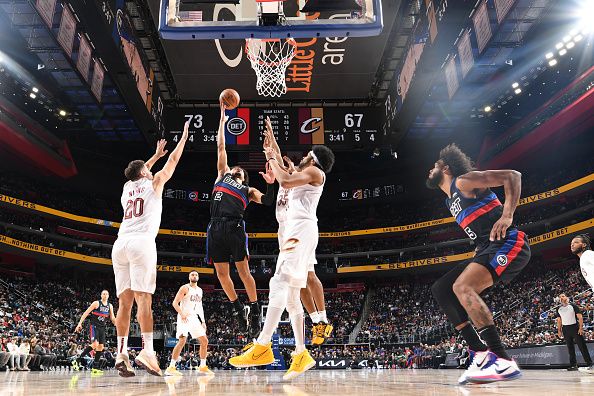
{"type": "Point", "coordinates": [269, 153]}
{"type": "Point", "coordinates": [161, 151]}
{"type": "Point", "coordinates": [500, 228]}
{"type": "Point", "coordinates": [224, 116]}
{"type": "Point", "coordinates": [269, 175]}
{"type": "Point", "coordinates": [290, 165]}
{"type": "Point", "coordinates": [268, 130]}
{"type": "Point", "coordinates": [186, 131]}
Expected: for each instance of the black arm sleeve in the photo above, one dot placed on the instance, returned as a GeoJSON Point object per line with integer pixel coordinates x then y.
{"type": "Point", "coordinates": [268, 198]}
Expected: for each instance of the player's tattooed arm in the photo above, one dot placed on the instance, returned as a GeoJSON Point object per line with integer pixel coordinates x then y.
{"type": "Point", "coordinates": [511, 181]}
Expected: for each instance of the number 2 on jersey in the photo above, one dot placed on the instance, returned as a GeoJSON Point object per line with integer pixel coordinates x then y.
{"type": "Point", "coordinates": [134, 208]}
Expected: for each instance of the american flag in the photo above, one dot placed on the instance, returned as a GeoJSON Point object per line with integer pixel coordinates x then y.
{"type": "Point", "coordinates": [194, 16]}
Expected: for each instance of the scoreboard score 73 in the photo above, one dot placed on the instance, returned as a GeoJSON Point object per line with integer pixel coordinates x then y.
{"type": "Point", "coordinates": [294, 127]}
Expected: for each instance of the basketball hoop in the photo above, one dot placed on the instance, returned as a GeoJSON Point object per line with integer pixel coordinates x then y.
{"type": "Point", "coordinates": [269, 59]}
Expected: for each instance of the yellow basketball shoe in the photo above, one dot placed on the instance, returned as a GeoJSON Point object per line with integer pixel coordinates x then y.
{"type": "Point", "coordinates": [173, 372]}
{"type": "Point", "coordinates": [300, 363]}
{"type": "Point", "coordinates": [321, 332]}
{"type": "Point", "coordinates": [204, 370]}
{"type": "Point", "coordinates": [256, 355]}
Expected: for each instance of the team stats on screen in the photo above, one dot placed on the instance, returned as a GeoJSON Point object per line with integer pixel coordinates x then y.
{"type": "Point", "coordinates": [294, 127]}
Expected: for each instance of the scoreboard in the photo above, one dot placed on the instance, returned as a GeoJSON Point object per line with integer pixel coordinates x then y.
{"type": "Point", "coordinates": [294, 127]}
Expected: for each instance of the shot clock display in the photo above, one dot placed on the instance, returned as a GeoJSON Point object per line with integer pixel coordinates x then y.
{"type": "Point", "coordinates": [339, 128]}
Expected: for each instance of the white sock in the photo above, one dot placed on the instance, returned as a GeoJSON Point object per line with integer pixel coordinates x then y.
{"type": "Point", "coordinates": [273, 317]}
{"type": "Point", "coordinates": [202, 362]}
{"type": "Point", "coordinates": [323, 317]}
{"type": "Point", "coordinates": [297, 323]}
{"type": "Point", "coordinates": [123, 345]}
{"type": "Point", "coordinates": [173, 362]}
{"type": "Point", "coordinates": [315, 317]}
{"type": "Point", "coordinates": [147, 342]}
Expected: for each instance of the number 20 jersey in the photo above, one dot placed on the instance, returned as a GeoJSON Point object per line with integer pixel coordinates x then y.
{"type": "Point", "coordinates": [142, 209]}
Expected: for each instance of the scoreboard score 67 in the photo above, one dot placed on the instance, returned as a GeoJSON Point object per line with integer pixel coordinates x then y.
{"type": "Point", "coordinates": [294, 127]}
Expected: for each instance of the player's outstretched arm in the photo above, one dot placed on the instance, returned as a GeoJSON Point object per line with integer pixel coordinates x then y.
{"type": "Point", "coordinates": [181, 293]}
{"type": "Point", "coordinates": [256, 195]}
{"type": "Point", "coordinates": [165, 174]}
{"type": "Point", "coordinates": [511, 181]}
{"type": "Point", "coordinates": [159, 152]}
{"type": "Point", "coordinates": [93, 306]}
{"type": "Point", "coordinates": [222, 166]}
{"type": "Point", "coordinates": [271, 140]}
{"type": "Point", "coordinates": [310, 175]}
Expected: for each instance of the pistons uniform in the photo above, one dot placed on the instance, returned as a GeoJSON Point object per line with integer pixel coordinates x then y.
{"type": "Point", "coordinates": [282, 208]}
{"type": "Point", "coordinates": [504, 258]}
{"type": "Point", "coordinates": [99, 319]}
{"type": "Point", "coordinates": [134, 253]}
{"type": "Point", "coordinates": [587, 266]}
{"type": "Point", "coordinates": [299, 235]}
{"type": "Point", "coordinates": [192, 305]}
{"type": "Point", "coordinates": [226, 239]}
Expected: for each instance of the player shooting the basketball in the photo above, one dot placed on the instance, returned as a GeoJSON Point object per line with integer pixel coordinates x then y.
{"type": "Point", "coordinates": [226, 239]}
{"type": "Point", "coordinates": [502, 252]}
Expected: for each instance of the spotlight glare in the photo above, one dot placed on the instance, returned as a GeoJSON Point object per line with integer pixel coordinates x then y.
{"type": "Point", "coordinates": [515, 85]}
{"type": "Point", "coordinates": [518, 91]}
{"type": "Point", "coordinates": [559, 45]}
{"type": "Point", "coordinates": [35, 89]}
{"type": "Point", "coordinates": [578, 38]}
{"type": "Point", "coordinates": [552, 62]}
{"type": "Point", "coordinates": [487, 109]}
{"type": "Point", "coordinates": [566, 38]}
{"type": "Point", "coordinates": [32, 95]}
{"type": "Point", "coordinates": [573, 32]}
{"type": "Point", "coordinates": [549, 55]}
{"type": "Point", "coordinates": [62, 113]}
{"type": "Point", "coordinates": [563, 52]}
{"type": "Point", "coordinates": [570, 45]}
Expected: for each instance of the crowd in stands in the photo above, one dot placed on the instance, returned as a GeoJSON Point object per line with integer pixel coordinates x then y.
{"type": "Point", "coordinates": [404, 327]}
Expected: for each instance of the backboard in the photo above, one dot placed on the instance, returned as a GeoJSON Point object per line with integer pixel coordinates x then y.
{"type": "Point", "coordinates": [242, 19]}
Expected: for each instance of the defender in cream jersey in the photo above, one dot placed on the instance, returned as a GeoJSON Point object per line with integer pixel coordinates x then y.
{"type": "Point", "coordinates": [134, 254]}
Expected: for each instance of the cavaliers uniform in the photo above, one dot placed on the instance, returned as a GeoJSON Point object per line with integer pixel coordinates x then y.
{"type": "Point", "coordinates": [99, 319]}
{"type": "Point", "coordinates": [504, 258]}
{"type": "Point", "coordinates": [282, 209]}
{"type": "Point", "coordinates": [134, 253]}
{"type": "Point", "coordinates": [192, 305]}
{"type": "Point", "coordinates": [226, 239]}
{"type": "Point", "coordinates": [296, 259]}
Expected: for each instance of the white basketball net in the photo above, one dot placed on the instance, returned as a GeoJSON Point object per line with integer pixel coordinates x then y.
{"type": "Point", "coordinates": [270, 59]}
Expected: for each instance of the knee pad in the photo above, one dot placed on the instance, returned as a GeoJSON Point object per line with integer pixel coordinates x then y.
{"type": "Point", "coordinates": [278, 294]}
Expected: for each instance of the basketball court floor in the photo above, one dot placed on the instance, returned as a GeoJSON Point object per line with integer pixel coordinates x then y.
{"type": "Point", "coordinates": [326, 383]}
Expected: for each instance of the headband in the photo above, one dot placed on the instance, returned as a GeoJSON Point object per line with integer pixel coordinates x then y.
{"type": "Point", "coordinates": [315, 158]}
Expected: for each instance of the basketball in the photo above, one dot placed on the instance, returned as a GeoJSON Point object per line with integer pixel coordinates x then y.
{"type": "Point", "coordinates": [230, 98]}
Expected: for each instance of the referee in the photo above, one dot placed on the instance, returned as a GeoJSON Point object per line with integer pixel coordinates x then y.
{"type": "Point", "coordinates": [570, 325]}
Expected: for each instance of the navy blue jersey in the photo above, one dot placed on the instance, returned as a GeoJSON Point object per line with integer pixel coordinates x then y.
{"type": "Point", "coordinates": [475, 216]}
{"type": "Point", "coordinates": [229, 198]}
{"type": "Point", "coordinates": [100, 316]}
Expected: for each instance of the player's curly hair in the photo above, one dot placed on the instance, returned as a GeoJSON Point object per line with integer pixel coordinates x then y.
{"type": "Point", "coordinates": [458, 162]}
{"type": "Point", "coordinates": [132, 172]}
{"type": "Point", "coordinates": [325, 157]}
{"type": "Point", "coordinates": [585, 240]}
